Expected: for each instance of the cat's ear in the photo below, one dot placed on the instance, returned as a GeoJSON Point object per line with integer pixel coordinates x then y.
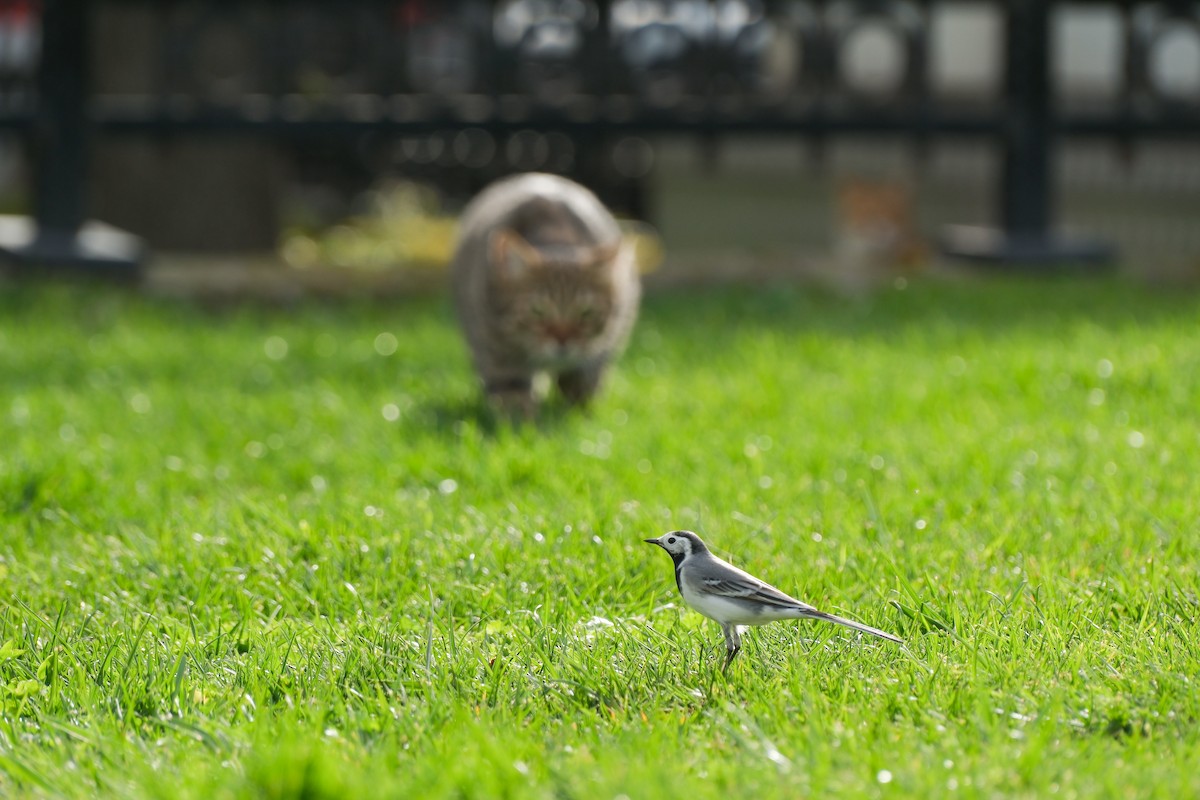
{"type": "Point", "coordinates": [510, 255]}
{"type": "Point", "coordinates": [601, 255]}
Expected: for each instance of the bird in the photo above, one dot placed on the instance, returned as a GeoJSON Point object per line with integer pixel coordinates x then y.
{"type": "Point", "coordinates": [734, 597]}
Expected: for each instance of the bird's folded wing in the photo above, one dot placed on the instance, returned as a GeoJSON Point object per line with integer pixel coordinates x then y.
{"type": "Point", "coordinates": [752, 589]}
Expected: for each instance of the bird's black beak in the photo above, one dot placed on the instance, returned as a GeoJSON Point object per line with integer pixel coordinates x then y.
{"type": "Point", "coordinates": [652, 541]}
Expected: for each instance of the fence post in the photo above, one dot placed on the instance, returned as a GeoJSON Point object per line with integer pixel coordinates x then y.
{"type": "Point", "coordinates": [1028, 139]}
{"type": "Point", "coordinates": [59, 236]}
{"type": "Point", "coordinates": [60, 129]}
{"type": "Point", "coordinates": [1026, 182]}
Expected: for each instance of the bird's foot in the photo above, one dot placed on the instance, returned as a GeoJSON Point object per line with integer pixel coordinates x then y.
{"type": "Point", "coordinates": [730, 654]}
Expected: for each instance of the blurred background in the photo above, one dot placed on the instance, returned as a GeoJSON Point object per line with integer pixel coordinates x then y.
{"type": "Point", "coordinates": [844, 139]}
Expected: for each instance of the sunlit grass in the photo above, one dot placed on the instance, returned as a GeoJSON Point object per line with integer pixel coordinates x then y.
{"type": "Point", "coordinates": [283, 552]}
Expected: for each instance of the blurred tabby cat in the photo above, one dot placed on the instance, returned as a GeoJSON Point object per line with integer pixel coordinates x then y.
{"type": "Point", "coordinates": [543, 284]}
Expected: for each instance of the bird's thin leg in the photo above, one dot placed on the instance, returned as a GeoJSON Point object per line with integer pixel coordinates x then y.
{"type": "Point", "coordinates": [733, 644]}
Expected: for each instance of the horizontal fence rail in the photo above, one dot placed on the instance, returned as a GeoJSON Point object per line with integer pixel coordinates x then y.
{"type": "Point", "coordinates": [586, 70]}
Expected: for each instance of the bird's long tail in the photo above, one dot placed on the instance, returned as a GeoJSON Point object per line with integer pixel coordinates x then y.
{"type": "Point", "coordinates": [858, 626]}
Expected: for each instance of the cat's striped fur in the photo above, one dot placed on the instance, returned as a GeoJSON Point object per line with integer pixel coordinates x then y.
{"type": "Point", "coordinates": [543, 283]}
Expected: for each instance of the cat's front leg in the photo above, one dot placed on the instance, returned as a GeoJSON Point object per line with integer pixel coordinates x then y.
{"type": "Point", "coordinates": [512, 396]}
{"type": "Point", "coordinates": [580, 384]}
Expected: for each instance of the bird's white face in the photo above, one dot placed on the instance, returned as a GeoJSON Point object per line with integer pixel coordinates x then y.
{"type": "Point", "coordinates": [677, 543]}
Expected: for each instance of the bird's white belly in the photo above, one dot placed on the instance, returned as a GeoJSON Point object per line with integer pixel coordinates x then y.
{"type": "Point", "coordinates": [730, 611]}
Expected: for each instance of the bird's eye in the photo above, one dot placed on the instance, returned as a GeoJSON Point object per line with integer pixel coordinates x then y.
{"type": "Point", "coordinates": [671, 540]}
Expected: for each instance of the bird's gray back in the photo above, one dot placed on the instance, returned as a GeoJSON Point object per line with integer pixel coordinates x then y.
{"type": "Point", "coordinates": [716, 576]}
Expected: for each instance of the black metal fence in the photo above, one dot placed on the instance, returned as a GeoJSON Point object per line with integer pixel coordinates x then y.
{"type": "Point", "coordinates": [469, 74]}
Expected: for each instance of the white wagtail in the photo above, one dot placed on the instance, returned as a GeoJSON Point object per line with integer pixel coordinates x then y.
{"type": "Point", "coordinates": [733, 597]}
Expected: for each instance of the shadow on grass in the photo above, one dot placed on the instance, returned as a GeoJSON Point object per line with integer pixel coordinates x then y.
{"type": "Point", "coordinates": [446, 416]}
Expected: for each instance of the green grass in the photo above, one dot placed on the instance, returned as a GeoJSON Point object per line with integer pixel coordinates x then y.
{"type": "Point", "coordinates": [257, 553]}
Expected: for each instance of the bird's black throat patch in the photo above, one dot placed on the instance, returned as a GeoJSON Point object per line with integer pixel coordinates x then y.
{"type": "Point", "coordinates": [678, 559]}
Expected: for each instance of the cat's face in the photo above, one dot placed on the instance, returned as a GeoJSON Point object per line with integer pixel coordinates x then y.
{"type": "Point", "coordinates": [554, 303]}
{"type": "Point", "coordinates": [875, 218]}
{"type": "Point", "coordinates": [879, 210]}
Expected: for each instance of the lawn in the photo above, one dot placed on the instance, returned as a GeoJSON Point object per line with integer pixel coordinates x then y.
{"type": "Point", "coordinates": [281, 552]}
